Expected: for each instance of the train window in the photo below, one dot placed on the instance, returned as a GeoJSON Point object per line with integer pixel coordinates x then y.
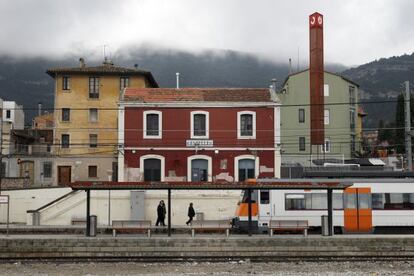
{"type": "Point", "coordinates": [393, 201]}
{"type": "Point", "coordinates": [245, 196]}
{"type": "Point", "coordinates": [312, 201]}
{"type": "Point", "coordinates": [264, 197]}
{"type": "Point", "coordinates": [377, 201]}
{"type": "Point", "coordinates": [350, 201]}
{"type": "Point", "coordinates": [364, 201]}
{"type": "Point", "coordinates": [338, 201]}
{"type": "Point", "coordinates": [319, 201]}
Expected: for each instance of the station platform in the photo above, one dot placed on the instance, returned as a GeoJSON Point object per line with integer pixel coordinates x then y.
{"type": "Point", "coordinates": [204, 246]}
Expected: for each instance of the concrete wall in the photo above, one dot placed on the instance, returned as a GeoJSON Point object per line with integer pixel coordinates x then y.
{"type": "Point", "coordinates": [214, 205]}
{"type": "Point", "coordinates": [13, 169]}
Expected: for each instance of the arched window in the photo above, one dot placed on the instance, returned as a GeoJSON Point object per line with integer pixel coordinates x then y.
{"type": "Point", "coordinates": [199, 168]}
{"type": "Point", "coordinates": [245, 167]}
{"type": "Point", "coordinates": [152, 167]}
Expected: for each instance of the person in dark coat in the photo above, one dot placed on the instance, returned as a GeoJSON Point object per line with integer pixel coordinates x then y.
{"type": "Point", "coordinates": [191, 214]}
{"type": "Point", "coordinates": [161, 214]}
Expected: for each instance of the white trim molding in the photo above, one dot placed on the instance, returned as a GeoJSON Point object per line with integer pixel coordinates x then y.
{"type": "Point", "coordinates": [206, 113]}
{"type": "Point", "coordinates": [239, 114]}
{"type": "Point", "coordinates": [256, 160]}
{"type": "Point", "coordinates": [200, 148]}
{"type": "Point", "coordinates": [144, 124]}
{"type": "Point", "coordinates": [209, 164]}
{"type": "Point", "coordinates": [151, 156]}
{"type": "Point", "coordinates": [199, 104]}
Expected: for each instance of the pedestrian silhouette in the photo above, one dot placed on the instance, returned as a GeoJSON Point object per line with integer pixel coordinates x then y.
{"type": "Point", "coordinates": [191, 214]}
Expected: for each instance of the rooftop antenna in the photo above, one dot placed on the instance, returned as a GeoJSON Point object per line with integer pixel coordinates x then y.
{"type": "Point", "coordinates": [177, 80]}
{"type": "Point", "coordinates": [290, 66]}
{"type": "Point", "coordinates": [104, 52]}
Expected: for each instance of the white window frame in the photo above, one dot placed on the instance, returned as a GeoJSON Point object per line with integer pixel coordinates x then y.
{"type": "Point", "coordinates": [239, 114]}
{"type": "Point", "coordinates": [326, 90]}
{"type": "Point", "coordinates": [151, 156]}
{"type": "Point", "coordinates": [206, 113]}
{"type": "Point", "coordinates": [209, 164]}
{"type": "Point", "coordinates": [326, 117]}
{"type": "Point", "coordinates": [323, 147]}
{"type": "Point", "coordinates": [256, 160]}
{"type": "Point", "coordinates": [148, 112]}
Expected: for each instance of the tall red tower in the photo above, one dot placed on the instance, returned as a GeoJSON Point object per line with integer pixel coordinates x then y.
{"type": "Point", "coordinates": [316, 73]}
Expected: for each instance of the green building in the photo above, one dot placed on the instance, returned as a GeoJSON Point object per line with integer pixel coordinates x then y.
{"type": "Point", "coordinates": [340, 119]}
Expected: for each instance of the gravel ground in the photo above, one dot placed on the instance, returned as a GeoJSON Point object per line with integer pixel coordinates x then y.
{"type": "Point", "coordinates": [206, 268]}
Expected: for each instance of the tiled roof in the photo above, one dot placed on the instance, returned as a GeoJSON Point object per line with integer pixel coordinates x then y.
{"type": "Point", "coordinates": [105, 69]}
{"type": "Point", "coordinates": [198, 95]}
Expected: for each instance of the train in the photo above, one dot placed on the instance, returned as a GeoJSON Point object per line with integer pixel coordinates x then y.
{"type": "Point", "coordinates": [383, 205]}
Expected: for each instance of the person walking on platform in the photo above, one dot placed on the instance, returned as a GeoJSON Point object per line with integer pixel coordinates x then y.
{"type": "Point", "coordinates": [160, 214]}
{"type": "Point", "coordinates": [191, 213]}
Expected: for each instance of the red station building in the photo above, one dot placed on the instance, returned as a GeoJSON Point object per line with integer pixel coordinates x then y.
{"type": "Point", "coordinates": [197, 134]}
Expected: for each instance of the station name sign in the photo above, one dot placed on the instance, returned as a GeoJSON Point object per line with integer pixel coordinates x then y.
{"type": "Point", "coordinates": [4, 199]}
{"type": "Point", "coordinates": [199, 143]}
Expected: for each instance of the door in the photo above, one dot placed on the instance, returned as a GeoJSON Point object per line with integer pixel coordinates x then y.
{"type": "Point", "coordinates": [246, 169]}
{"type": "Point", "coordinates": [199, 170]}
{"type": "Point", "coordinates": [138, 205]}
{"type": "Point", "coordinates": [27, 170]}
{"type": "Point", "coordinates": [64, 175]}
{"type": "Point", "coordinates": [152, 169]}
{"type": "Point", "coordinates": [357, 210]}
{"type": "Point", "coordinates": [264, 207]}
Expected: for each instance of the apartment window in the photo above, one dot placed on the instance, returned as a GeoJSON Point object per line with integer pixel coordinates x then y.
{"type": "Point", "coordinates": [301, 115]}
{"type": "Point", "coordinates": [246, 125]}
{"type": "Point", "coordinates": [123, 83]}
{"type": "Point", "coordinates": [93, 115]}
{"type": "Point", "coordinates": [352, 119]}
{"type": "Point", "coordinates": [199, 124]}
{"type": "Point", "coordinates": [47, 169]}
{"type": "Point", "coordinates": [3, 169]}
{"type": "Point", "coordinates": [93, 140]}
{"type": "Point", "coordinates": [65, 141]}
{"type": "Point", "coordinates": [326, 90]}
{"type": "Point", "coordinates": [93, 87]}
{"type": "Point", "coordinates": [92, 171]}
{"type": "Point", "coordinates": [66, 83]}
{"type": "Point", "coordinates": [326, 117]}
{"type": "Point", "coordinates": [352, 95]}
{"type": "Point", "coordinates": [152, 124]}
{"type": "Point", "coordinates": [326, 147]}
{"type": "Point", "coordinates": [8, 114]}
{"type": "Point", "coordinates": [302, 145]}
{"type": "Point", "coordinates": [65, 114]}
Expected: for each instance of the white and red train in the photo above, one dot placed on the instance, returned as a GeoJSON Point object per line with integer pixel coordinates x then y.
{"type": "Point", "coordinates": [368, 205]}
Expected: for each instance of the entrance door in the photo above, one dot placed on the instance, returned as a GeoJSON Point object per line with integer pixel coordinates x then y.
{"type": "Point", "coordinates": [152, 169]}
{"type": "Point", "coordinates": [264, 207]}
{"type": "Point", "coordinates": [357, 210]}
{"type": "Point", "coordinates": [246, 169]}
{"type": "Point", "coordinates": [27, 170]}
{"type": "Point", "coordinates": [137, 205]}
{"type": "Point", "coordinates": [199, 170]}
{"type": "Point", "coordinates": [64, 175]}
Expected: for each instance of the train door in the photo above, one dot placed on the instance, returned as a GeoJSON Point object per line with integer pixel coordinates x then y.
{"type": "Point", "coordinates": [264, 207]}
{"type": "Point", "coordinates": [357, 210]}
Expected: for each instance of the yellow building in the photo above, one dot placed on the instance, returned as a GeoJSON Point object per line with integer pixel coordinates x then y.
{"type": "Point", "coordinates": [85, 118]}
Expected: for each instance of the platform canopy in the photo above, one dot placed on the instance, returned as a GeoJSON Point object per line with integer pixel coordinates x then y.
{"type": "Point", "coordinates": [265, 184]}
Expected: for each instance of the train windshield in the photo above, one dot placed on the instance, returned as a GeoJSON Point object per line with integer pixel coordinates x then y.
{"type": "Point", "coordinates": [245, 196]}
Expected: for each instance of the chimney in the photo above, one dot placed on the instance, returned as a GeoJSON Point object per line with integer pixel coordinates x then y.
{"type": "Point", "coordinates": [290, 66]}
{"type": "Point", "coordinates": [274, 84]}
{"type": "Point", "coordinates": [39, 108]}
{"type": "Point", "coordinates": [178, 80]}
{"type": "Point", "coordinates": [136, 66]}
{"type": "Point", "coordinates": [81, 63]}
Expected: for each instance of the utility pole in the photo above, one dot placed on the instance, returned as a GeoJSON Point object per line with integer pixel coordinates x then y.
{"type": "Point", "coordinates": [407, 113]}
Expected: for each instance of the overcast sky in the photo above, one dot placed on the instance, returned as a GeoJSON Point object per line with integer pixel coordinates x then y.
{"type": "Point", "coordinates": [356, 31]}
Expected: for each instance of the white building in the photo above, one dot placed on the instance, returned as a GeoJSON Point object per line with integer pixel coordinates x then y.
{"type": "Point", "coordinates": [14, 114]}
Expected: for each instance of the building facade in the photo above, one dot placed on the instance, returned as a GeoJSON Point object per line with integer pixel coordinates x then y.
{"type": "Point", "coordinates": [340, 118]}
{"type": "Point", "coordinates": [85, 118]}
{"type": "Point", "coordinates": [198, 135]}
